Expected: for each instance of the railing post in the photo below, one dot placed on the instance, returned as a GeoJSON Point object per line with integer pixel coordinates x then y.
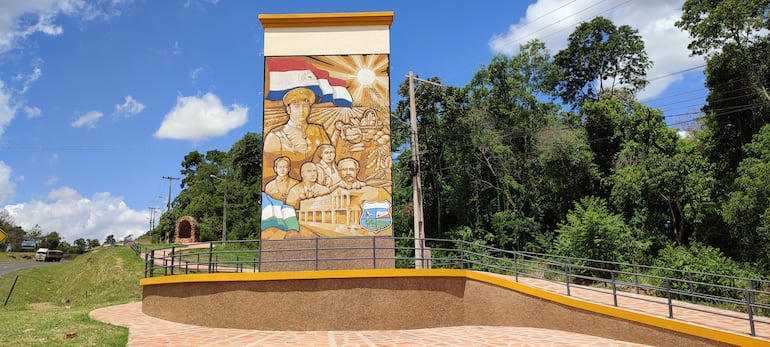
{"type": "Point", "coordinates": [692, 296]}
{"type": "Point", "coordinates": [172, 259]}
{"type": "Point", "coordinates": [566, 277]}
{"type": "Point", "coordinates": [152, 263]}
{"type": "Point", "coordinates": [636, 278]}
{"type": "Point", "coordinates": [211, 254]}
{"type": "Point", "coordinates": [486, 253]}
{"type": "Point", "coordinates": [668, 296]}
{"type": "Point", "coordinates": [462, 256]}
{"type": "Point", "coordinates": [237, 264]}
{"type": "Point", "coordinates": [749, 309]}
{"type": "Point", "coordinates": [316, 254]}
{"type": "Point", "coordinates": [516, 266]}
{"type": "Point", "coordinates": [146, 259]}
{"type": "Point", "coordinates": [614, 289]}
{"type": "Point", "coordinates": [165, 263]}
{"type": "Point", "coordinates": [374, 253]}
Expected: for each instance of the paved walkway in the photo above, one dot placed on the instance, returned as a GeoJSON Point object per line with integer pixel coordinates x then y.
{"type": "Point", "coordinates": [715, 318]}
{"type": "Point", "coordinates": [149, 331]}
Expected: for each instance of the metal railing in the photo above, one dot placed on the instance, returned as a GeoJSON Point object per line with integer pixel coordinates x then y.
{"type": "Point", "coordinates": [739, 298]}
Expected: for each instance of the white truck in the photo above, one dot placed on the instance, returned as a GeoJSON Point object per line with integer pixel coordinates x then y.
{"type": "Point", "coordinates": [45, 254]}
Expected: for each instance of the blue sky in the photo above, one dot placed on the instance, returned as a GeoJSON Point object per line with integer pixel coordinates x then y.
{"type": "Point", "coordinates": [100, 99]}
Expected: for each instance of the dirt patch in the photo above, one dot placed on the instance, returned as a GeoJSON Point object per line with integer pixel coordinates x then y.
{"type": "Point", "coordinates": [119, 263]}
{"type": "Point", "coordinates": [42, 305]}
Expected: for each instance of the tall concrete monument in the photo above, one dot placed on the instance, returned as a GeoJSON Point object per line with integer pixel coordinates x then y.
{"type": "Point", "coordinates": [326, 165]}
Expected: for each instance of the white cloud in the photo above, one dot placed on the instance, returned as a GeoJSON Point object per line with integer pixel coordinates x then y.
{"type": "Point", "coordinates": [51, 181]}
{"type": "Point", "coordinates": [73, 216]}
{"type": "Point", "coordinates": [177, 50]}
{"type": "Point", "coordinates": [194, 74]}
{"type": "Point", "coordinates": [88, 120]}
{"type": "Point", "coordinates": [7, 187]}
{"type": "Point", "coordinates": [130, 107]}
{"type": "Point", "coordinates": [197, 118]}
{"type": "Point", "coordinates": [32, 111]}
{"type": "Point", "coordinates": [552, 21]}
{"type": "Point", "coordinates": [37, 72]}
{"type": "Point", "coordinates": [21, 19]}
{"type": "Point", "coordinates": [7, 111]}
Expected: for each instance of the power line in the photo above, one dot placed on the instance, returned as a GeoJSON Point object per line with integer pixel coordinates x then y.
{"type": "Point", "coordinates": [521, 39]}
{"type": "Point", "coordinates": [675, 73]}
{"type": "Point", "coordinates": [547, 13]}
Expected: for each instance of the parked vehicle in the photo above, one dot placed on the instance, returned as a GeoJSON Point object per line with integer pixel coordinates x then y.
{"type": "Point", "coordinates": [45, 254]}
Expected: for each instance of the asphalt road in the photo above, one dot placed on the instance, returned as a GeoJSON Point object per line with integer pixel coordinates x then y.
{"type": "Point", "coordinates": [8, 267]}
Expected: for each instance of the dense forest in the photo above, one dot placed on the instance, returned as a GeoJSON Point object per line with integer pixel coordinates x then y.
{"type": "Point", "coordinates": [555, 154]}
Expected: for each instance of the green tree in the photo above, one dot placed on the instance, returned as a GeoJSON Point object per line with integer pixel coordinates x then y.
{"type": "Point", "coordinates": [730, 32]}
{"type": "Point", "coordinates": [245, 192]}
{"type": "Point", "coordinates": [66, 247]}
{"type": "Point", "coordinates": [608, 124]}
{"type": "Point", "coordinates": [659, 182]}
{"type": "Point", "coordinates": [696, 266]}
{"type": "Point", "coordinates": [562, 173]}
{"type": "Point", "coordinates": [80, 245]}
{"type": "Point", "coordinates": [110, 239]}
{"type": "Point", "coordinates": [15, 233]}
{"type": "Point", "coordinates": [498, 141]}
{"type": "Point", "coordinates": [239, 171]}
{"type": "Point", "coordinates": [714, 24]}
{"type": "Point", "coordinates": [600, 58]}
{"type": "Point", "coordinates": [50, 240]}
{"type": "Point", "coordinates": [36, 233]}
{"type": "Point", "coordinates": [93, 243]}
{"type": "Point", "coordinates": [591, 231]}
{"type": "Point", "coordinates": [747, 212]}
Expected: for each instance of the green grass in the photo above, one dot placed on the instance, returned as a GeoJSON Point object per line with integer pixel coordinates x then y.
{"type": "Point", "coordinates": [50, 302]}
{"type": "Point", "coordinates": [17, 256]}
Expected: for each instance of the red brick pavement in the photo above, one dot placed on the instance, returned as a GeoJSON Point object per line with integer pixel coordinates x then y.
{"type": "Point", "coordinates": [149, 331]}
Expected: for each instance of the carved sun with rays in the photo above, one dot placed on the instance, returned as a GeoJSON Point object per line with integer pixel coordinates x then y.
{"type": "Point", "coordinates": [366, 76]}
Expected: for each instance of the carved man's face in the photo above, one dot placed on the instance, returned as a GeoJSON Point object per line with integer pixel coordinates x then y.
{"type": "Point", "coordinates": [308, 173]}
{"type": "Point", "coordinates": [298, 110]}
{"type": "Point", "coordinates": [348, 171]}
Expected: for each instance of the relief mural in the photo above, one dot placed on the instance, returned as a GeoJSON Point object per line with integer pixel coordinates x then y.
{"type": "Point", "coordinates": [327, 164]}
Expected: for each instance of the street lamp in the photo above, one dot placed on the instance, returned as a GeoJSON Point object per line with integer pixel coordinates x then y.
{"type": "Point", "coordinates": [224, 209]}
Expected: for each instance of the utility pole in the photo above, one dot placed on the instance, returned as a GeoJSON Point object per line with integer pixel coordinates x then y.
{"type": "Point", "coordinates": [224, 208]}
{"type": "Point", "coordinates": [153, 209]}
{"type": "Point", "coordinates": [168, 203]}
{"type": "Point", "coordinates": [419, 225]}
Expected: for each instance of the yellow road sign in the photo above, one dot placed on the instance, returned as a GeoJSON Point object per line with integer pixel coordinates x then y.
{"type": "Point", "coordinates": [3, 235]}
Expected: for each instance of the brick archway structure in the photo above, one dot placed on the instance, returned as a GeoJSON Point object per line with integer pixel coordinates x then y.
{"type": "Point", "coordinates": [186, 230]}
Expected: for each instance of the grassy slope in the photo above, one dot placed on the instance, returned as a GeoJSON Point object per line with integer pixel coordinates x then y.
{"type": "Point", "coordinates": [49, 302]}
{"type": "Point", "coordinates": [16, 256]}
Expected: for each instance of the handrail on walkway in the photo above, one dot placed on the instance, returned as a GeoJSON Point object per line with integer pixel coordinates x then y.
{"type": "Point", "coordinates": [740, 298]}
